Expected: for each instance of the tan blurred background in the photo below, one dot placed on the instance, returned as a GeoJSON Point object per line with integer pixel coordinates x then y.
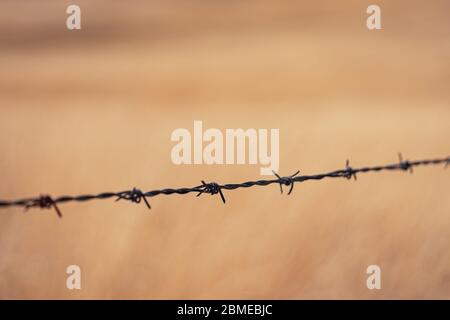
{"type": "Point", "coordinates": [92, 110]}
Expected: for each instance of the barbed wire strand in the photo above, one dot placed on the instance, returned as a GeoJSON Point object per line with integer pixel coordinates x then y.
{"type": "Point", "coordinates": [212, 188]}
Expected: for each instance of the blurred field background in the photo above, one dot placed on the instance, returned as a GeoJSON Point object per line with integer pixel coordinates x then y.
{"type": "Point", "coordinates": [92, 110]}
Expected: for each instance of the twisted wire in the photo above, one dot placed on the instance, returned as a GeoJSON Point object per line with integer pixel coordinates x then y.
{"type": "Point", "coordinates": [213, 188]}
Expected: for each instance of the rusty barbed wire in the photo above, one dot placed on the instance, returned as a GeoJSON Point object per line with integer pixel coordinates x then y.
{"type": "Point", "coordinates": [212, 188]}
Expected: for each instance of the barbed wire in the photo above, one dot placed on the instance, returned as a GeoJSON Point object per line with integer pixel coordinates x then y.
{"type": "Point", "coordinates": [212, 188]}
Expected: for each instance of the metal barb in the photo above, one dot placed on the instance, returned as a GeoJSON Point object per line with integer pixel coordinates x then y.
{"type": "Point", "coordinates": [404, 165]}
{"type": "Point", "coordinates": [211, 188]}
{"type": "Point", "coordinates": [44, 202]}
{"type": "Point", "coordinates": [287, 181]}
{"type": "Point", "coordinates": [134, 196]}
{"type": "Point", "coordinates": [349, 172]}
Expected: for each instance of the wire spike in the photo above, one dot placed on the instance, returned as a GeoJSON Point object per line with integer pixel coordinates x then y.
{"type": "Point", "coordinates": [134, 196]}
{"type": "Point", "coordinates": [44, 202]}
{"type": "Point", "coordinates": [404, 165]}
{"type": "Point", "coordinates": [287, 181]}
{"type": "Point", "coordinates": [349, 171]}
{"type": "Point", "coordinates": [211, 188]}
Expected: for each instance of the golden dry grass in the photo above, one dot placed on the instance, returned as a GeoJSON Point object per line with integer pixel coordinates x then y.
{"type": "Point", "coordinates": [93, 111]}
